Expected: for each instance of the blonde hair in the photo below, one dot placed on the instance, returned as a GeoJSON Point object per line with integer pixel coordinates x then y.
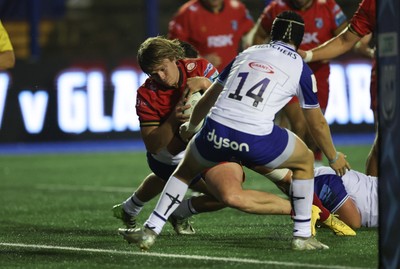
{"type": "Point", "coordinates": [156, 49]}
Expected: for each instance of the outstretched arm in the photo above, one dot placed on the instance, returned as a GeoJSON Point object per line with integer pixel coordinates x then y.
{"type": "Point", "coordinates": [333, 47]}
{"type": "Point", "coordinates": [320, 131]}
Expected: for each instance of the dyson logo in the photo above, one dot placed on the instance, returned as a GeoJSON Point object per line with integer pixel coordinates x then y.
{"type": "Point", "coordinates": [220, 142]}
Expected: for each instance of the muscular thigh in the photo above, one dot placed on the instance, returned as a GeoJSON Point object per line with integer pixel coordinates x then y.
{"type": "Point", "coordinates": [224, 179]}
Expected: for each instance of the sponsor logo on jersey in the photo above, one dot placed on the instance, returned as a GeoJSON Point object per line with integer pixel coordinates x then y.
{"type": "Point", "coordinates": [222, 142]}
{"type": "Point", "coordinates": [262, 67]}
{"type": "Point", "coordinates": [191, 66]}
{"type": "Point", "coordinates": [310, 38]}
{"type": "Point", "coordinates": [234, 25]}
{"type": "Point", "coordinates": [220, 41]}
{"type": "Point", "coordinates": [319, 23]}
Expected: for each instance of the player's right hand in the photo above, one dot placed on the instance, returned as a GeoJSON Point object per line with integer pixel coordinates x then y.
{"type": "Point", "coordinates": [340, 165]}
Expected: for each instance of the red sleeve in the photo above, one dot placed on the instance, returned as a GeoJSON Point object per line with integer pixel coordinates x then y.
{"type": "Point", "coordinates": [363, 21]}
{"type": "Point", "coordinates": [148, 115]}
{"type": "Point", "coordinates": [337, 15]}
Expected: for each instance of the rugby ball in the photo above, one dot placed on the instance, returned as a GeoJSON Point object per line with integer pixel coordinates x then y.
{"type": "Point", "coordinates": [193, 99]}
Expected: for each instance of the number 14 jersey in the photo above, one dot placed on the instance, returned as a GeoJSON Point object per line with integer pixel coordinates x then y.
{"type": "Point", "coordinates": [257, 85]}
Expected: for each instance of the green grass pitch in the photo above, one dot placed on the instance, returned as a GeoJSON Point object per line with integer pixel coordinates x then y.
{"type": "Point", "coordinates": [56, 213]}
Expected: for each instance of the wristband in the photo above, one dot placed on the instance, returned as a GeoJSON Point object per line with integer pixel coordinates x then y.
{"type": "Point", "coordinates": [335, 159]}
{"type": "Point", "coordinates": [309, 55]}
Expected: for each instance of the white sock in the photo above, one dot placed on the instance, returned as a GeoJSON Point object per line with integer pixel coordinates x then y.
{"type": "Point", "coordinates": [185, 210]}
{"type": "Point", "coordinates": [301, 196]}
{"type": "Point", "coordinates": [133, 205]}
{"type": "Point", "coordinates": [172, 195]}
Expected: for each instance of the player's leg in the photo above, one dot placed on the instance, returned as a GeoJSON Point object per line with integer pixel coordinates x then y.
{"type": "Point", "coordinates": [128, 210]}
{"type": "Point", "coordinates": [176, 187]}
{"type": "Point", "coordinates": [349, 214]}
{"type": "Point", "coordinates": [225, 183]}
{"type": "Point", "coordinates": [172, 195]}
{"type": "Point", "coordinates": [301, 192]}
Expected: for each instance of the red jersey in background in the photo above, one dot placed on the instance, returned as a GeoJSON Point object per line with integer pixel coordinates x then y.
{"type": "Point", "coordinates": [321, 20]}
{"type": "Point", "coordinates": [209, 32]}
{"type": "Point", "coordinates": [362, 23]}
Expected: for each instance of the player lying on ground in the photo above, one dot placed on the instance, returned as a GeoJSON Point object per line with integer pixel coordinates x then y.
{"type": "Point", "coordinates": [353, 196]}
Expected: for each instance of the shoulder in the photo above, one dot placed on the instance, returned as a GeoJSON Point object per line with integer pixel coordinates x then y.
{"type": "Point", "coordinates": [274, 8]}
{"type": "Point", "coordinates": [277, 6]}
{"type": "Point", "coordinates": [235, 4]}
{"type": "Point", "coordinates": [190, 7]}
{"type": "Point", "coordinates": [147, 88]}
{"type": "Point", "coordinates": [199, 67]}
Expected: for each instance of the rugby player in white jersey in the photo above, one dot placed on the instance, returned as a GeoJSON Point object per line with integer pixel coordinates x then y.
{"type": "Point", "coordinates": [353, 197]}
{"type": "Point", "coordinates": [250, 91]}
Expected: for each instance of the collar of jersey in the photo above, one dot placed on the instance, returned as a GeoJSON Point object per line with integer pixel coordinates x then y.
{"type": "Point", "coordinates": [283, 44]}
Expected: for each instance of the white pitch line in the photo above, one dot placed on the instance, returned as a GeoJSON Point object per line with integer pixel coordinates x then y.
{"type": "Point", "coordinates": [180, 256]}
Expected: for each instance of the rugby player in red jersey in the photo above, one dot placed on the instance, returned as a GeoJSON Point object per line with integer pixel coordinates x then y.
{"type": "Point", "coordinates": [214, 27]}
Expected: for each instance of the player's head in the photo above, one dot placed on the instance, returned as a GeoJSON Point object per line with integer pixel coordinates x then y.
{"type": "Point", "coordinates": [288, 27]}
{"type": "Point", "coordinates": [154, 50]}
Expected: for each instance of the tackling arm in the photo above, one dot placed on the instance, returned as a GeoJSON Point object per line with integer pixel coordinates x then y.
{"type": "Point", "coordinates": [201, 110]}
{"type": "Point", "coordinates": [333, 47]}
{"type": "Point", "coordinates": [320, 131]}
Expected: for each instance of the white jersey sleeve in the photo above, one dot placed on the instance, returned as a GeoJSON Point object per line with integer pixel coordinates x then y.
{"type": "Point", "coordinates": [363, 190]}
{"type": "Point", "coordinates": [259, 83]}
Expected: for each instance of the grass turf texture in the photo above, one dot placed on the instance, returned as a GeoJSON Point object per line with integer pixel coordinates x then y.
{"type": "Point", "coordinates": [59, 208]}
